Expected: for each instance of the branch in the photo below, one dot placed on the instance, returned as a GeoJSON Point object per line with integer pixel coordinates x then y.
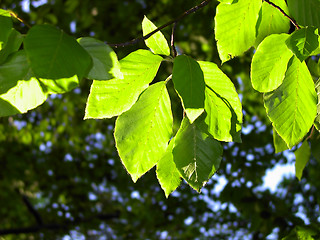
{"type": "Point", "coordinates": [32, 210]}
{"type": "Point", "coordinates": [186, 13]}
{"type": "Point", "coordinates": [283, 12]}
{"type": "Point", "coordinates": [56, 227]}
{"type": "Point", "coordinates": [174, 50]}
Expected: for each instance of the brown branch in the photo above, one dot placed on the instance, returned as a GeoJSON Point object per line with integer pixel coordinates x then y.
{"type": "Point", "coordinates": [186, 13]}
{"type": "Point", "coordinates": [174, 50]}
{"type": "Point", "coordinates": [283, 12]}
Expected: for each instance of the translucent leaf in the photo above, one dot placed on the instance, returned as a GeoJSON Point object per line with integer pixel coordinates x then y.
{"type": "Point", "coordinates": [12, 45]}
{"type": "Point", "coordinates": [142, 133]}
{"type": "Point", "coordinates": [279, 144]}
{"type": "Point", "coordinates": [113, 97]}
{"type": "Point", "coordinates": [167, 173]}
{"type": "Point", "coordinates": [55, 55]}
{"type": "Point", "coordinates": [302, 157]}
{"type": "Point", "coordinates": [306, 12]}
{"type": "Point", "coordinates": [222, 105]}
{"type": "Point", "coordinates": [269, 63]}
{"type": "Point", "coordinates": [292, 107]}
{"type": "Point", "coordinates": [303, 42]}
{"type": "Point", "coordinates": [197, 156]}
{"type": "Point", "coordinates": [317, 120]}
{"type": "Point", "coordinates": [157, 42]}
{"type": "Point", "coordinates": [189, 82]}
{"type": "Point", "coordinates": [235, 27]}
{"type": "Point", "coordinates": [271, 20]}
{"type": "Point", "coordinates": [5, 26]}
{"type": "Point", "coordinates": [19, 90]}
{"type": "Point", "coordinates": [105, 63]}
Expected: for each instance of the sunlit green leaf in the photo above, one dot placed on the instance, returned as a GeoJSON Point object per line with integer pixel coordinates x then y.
{"type": "Point", "coordinates": [19, 90]}
{"type": "Point", "coordinates": [167, 173]}
{"type": "Point", "coordinates": [143, 132]}
{"type": "Point", "coordinates": [279, 144]}
{"type": "Point", "coordinates": [189, 82]}
{"type": "Point", "coordinates": [292, 107]}
{"type": "Point", "coordinates": [317, 120]}
{"type": "Point", "coordinates": [269, 63]}
{"type": "Point", "coordinates": [55, 55]}
{"type": "Point", "coordinates": [222, 105]}
{"type": "Point", "coordinates": [157, 42]}
{"type": "Point", "coordinates": [105, 63]}
{"type": "Point", "coordinates": [5, 26]}
{"type": "Point", "coordinates": [271, 20]}
{"type": "Point", "coordinates": [113, 97]}
{"type": "Point", "coordinates": [302, 157]}
{"type": "Point", "coordinates": [305, 12]}
{"type": "Point", "coordinates": [303, 42]}
{"type": "Point", "coordinates": [235, 27]}
{"type": "Point", "coordinates": [197, 156]}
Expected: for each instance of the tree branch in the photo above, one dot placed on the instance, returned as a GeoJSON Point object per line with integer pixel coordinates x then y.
{"type": "Point", "coordinates": [186, 13]}
{"type": "Point", "coordinates": [283, 12]}
{"type": "Point", "coordinates": [56, 227]}
{"type": "Point", "coordinates": [174, 50]}
{"type": "Point", "coordinates": [32, 210]}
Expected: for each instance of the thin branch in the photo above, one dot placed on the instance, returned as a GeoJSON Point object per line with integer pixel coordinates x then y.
{"type": "Point", "coordinates": [283, 12]}
{"type": "Point", "coordinates": [19, 19]}
{"type": "Point", "coordinates": [174, 50]}
{"type": "Point", "coordinates": [32, 210]}
{"type": "Point", "coordinates": [186, 13]}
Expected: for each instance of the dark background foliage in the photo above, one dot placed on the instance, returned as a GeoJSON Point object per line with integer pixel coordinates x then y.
{"type": "Point", "coordinates": [61, 177]}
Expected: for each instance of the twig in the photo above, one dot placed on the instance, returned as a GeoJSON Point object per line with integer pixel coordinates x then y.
{"type": "Point", "coordinates": [186, 13]}
{"type": "Point", "coordinates": [174, 50]}
{"type": "Point", "coordinates": [283, 12]}
{"type": "Point", "coordinates": [19, 19]}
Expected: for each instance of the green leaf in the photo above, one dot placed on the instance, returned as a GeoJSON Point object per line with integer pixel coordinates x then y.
{"type": "Point", "coordinates": [189, 82]}
{"type": "Point", "coordinates": [12, 45]}
{"type": "Point", "coordinates": [5, 26]}
{"type": "Point", "coordinates": [142, 133]}
{"type": "Point", "coordinates": [222, 105]}
{"type": "Point", "coordinates": [197, 156]}
{"type": "Point", "coordinates": [279, 144]}
{"type": "Point", "coordinates": [105, 63]}
{"type": "Point", "coordinates": [269, 63]}
{"type": "Point", "coordinates": [303, 42]}
{"type": "Point", "coordinates": [55, 55]}
{"type": "Point", "coordinates": [317, 120]}
{"type": "Point", "coordinates": [113, 97]}
{"type": "Point", "coordinates": [305, 12]}
{"type": "Point", "coordinates": [19, 90]}
{"type": "Point", "coordinates": [167, 173]}
{"type": "Point", "coordinates": [271, 20]}
{"type": "Point", "coordinates": [157, 42]}
{"type": "Point", "coordinates": [302, 157]}
{"type": "Point", "coordinates": [292, 107]}
{"type": "Point", "coordinates": [235, 27]}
